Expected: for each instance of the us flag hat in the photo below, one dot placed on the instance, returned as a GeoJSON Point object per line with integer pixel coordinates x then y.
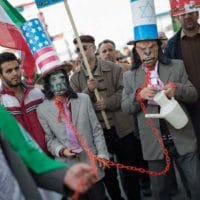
{"type": "Point", "coordinates": [41, 47]}
{"type": "Point", "coordinates": [179, 7]}
{"type": "Point", "coordinates": [144, 20]}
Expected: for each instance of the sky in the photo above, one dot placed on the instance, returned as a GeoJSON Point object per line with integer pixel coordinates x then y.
{"type": "Point", "coordinates": [104, 19]}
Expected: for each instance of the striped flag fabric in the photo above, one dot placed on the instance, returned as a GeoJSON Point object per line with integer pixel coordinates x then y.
{"type": "Point", "coordinates": [40, 44]}
{"type": "Point", "coordinates": [11, 36]}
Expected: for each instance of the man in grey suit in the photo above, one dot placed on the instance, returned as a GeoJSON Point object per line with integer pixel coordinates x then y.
{"type": "Point", "coordinates": [61, 138]}
{"type": "Point", "coordinates": [152, 72]}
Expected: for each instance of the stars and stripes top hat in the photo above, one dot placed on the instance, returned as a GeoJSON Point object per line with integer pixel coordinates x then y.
{"type": "Point", "coordinates": [41, 47]}
{"type": "Point", "coordinates": [179, 7]}
{"type": "Point", "coordinates": [144, 20]}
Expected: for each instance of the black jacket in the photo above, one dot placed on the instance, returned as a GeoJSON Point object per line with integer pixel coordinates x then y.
{"type": "Point", "coordinates": [173, 49]}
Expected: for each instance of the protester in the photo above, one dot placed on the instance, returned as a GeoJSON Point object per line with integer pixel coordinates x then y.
{"type": "Point", "coordinates": [119, 138]}
{"type": "Point", "coordinates": [107, 51]}
{"type": "Point", "coordinates": [185, 45]}
{"type": "Point", "coordinates": [18, 183]}
{"type": "Point", "coordinates": [180, 143]}
{"type": "Point", "coordinates": [61, 139]}
{"type": "Point", "coordinates": [153, 72]}
{"type": "Point", "coordinates": [20, 99]}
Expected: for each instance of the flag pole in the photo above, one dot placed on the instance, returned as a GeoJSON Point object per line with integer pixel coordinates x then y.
{"type": "Point", "coordinates": [85, 59]}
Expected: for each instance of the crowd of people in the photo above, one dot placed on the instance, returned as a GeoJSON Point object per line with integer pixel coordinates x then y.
{"type": "Point", "coordinates": [51, 132]}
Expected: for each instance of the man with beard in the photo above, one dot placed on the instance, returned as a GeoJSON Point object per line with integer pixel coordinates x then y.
{"type": "Point", "coordinates": [185, 45]}
{"type": "Point", "coordinates": [19, 99]}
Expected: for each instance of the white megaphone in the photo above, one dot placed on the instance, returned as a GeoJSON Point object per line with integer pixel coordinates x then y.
{"type": "Point", "coordinates": [170, 110]}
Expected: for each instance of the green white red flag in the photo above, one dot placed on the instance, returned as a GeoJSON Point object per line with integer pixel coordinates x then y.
{"type": "Point", "coordinates": [11, 37]}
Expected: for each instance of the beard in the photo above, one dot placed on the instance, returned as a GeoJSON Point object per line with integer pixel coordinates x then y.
{"type": "Point", "coordinates": [11, 83]}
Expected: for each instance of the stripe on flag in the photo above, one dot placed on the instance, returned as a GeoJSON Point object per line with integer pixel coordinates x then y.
{"type": "Point", "coordinates": [44, 53]}
{"type": "Point", "coordinates": [46, 57]}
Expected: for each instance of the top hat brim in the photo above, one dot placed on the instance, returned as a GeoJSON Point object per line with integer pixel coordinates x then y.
{"type": "Point", "coordinates": [130, 42]}
{"type": "Point", "coordinates": [40, 79]}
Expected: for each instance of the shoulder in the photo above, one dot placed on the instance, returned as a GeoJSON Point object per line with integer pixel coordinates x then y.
{"type": "Point", "coordinates": [36, 92]}
{"type": "Point", "coordinates": [83, 96]}
{"type": "Point", "coordinates": [46, 104]}
{"type": "Point", "coordinates": [75, 74]}
{"type": "Point", "coordinates": [108, 66]}
{"type": "Point", "coordinates": [175, 37]}
{"type": "Point", "coordinates": [129, 74]}
{"type": "Point", "coordinates": [177, 63]}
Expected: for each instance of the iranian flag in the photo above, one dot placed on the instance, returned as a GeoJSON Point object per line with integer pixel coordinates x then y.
{"type": "Point", "coordinates": [11, 36]}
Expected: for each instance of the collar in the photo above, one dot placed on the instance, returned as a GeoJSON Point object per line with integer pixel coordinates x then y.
{"type": "Point", "coordinates": [184, 35]}
{"type": "Point", "coordinates": [155, 68]}
{"type": "Point", "coordinates": [100, 67]}
{"type": "Point", "coordinates": [6, 90]}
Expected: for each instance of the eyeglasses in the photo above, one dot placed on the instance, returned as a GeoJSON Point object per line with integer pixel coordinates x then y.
{"type": "Point", "coordinates": [85, 48]}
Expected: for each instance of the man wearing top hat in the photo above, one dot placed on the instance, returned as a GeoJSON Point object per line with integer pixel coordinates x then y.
{"type": "Point", "coordinates": [185, 45]}
{"type": "Point", "coordinates": [60, 136]}
{"type": "Point", "coordinates": [151, 73]}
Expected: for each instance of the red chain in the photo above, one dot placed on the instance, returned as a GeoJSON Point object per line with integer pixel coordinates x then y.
{"type": "Point", "coordinates": [59, 103]}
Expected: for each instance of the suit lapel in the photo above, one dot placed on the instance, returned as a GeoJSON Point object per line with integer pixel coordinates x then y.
{"type": "Point", "coordinates": [139, 77]}
{"type": "Point", "coordinates": [75, 104]}
{"type": "Point", "coordinates": [164, 73]}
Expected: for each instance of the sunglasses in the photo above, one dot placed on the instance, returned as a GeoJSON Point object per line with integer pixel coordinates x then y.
{"type": "Point", "coordinates": [85, 48]}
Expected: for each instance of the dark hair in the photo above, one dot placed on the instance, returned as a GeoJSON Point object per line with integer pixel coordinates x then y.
{"type": "Point", "coordinates": [49, 94]}
{"type": "Point", "coordinates": [5, 57]}
{"type": "Point", "coordinates": [85, 38]}
{"type": "Point", "coordinates": [161, 57]}
{"type": "Point", "coordinates": [106, 42]}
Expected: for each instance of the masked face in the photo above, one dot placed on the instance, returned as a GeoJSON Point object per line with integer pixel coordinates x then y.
{"type": "Point", "coordinates": [58, 84]}
{"type": "Point", "coordinates": [148, 52]}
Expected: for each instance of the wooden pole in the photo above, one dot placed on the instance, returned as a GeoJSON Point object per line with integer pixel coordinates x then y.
{"type": "Point", "coordinates": [85, 59]}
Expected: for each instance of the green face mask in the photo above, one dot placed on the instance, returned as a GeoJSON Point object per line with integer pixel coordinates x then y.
{"type": "Point", "coordinates": [58, 84]}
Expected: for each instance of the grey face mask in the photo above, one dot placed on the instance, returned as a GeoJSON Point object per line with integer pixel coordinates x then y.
{"type": "Point", "coordinates": [58, 84]}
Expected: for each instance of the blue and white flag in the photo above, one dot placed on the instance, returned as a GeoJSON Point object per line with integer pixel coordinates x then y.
{"type": "Point", "coordinates": [41, 47]}
{"type": "Point", "coordinates": [44, 3]}
{"type": "Point", "coordinates": [144, 20]}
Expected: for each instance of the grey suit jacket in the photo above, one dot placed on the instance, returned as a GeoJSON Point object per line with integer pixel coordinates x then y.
{"type": "Point", "coordinates": [184, 138]}
{"type": "Point", "coordinates": [85, 120]}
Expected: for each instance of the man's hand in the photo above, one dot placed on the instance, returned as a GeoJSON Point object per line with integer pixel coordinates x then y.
{"type": "Point", "coordinates": [148, 93]}
{"type": "Point", "coordinates": [92, 84]}
{"type": "Point", "coordinates": [80, 177]}
{"type": "Point", "coordinates": [100, 104]}
{"type": "Point", "coordinates": [102, 163]}
{"type": "Point", "coordinates": [169, 89]}
{"type": "Point", "coordinates": [68, 152]}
